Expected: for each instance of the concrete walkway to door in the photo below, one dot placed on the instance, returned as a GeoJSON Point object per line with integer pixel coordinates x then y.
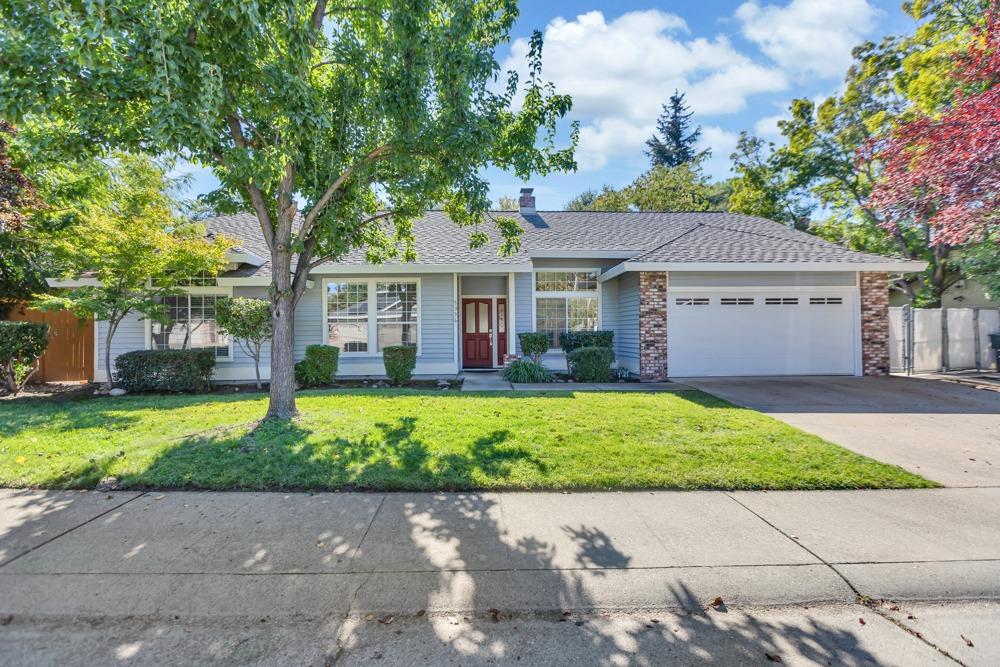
{"type": "Point", "coordinates": [943, 431]}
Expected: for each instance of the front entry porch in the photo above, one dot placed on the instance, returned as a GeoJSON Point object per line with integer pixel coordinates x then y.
{"type": "Point", "coordinates": [485, 331]}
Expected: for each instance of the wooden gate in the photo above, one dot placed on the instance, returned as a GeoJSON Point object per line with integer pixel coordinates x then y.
{"type": "Point", "coordinates": [69, 356]}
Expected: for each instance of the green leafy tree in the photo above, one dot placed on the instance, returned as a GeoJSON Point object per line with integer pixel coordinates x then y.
{"type": "Point", "coordinates": [583, 201]}
{"type": "Point", "coordinates": [20, 273]}
{"type": "Point", "coordinates": [248, 322]}
{"type": "Point", "coordinates": [307, 112]}
{"type": "Point", "coordinates": [817, 168]}
{"type": "Point", "coordinates": [128, 242]}
{"type": "Point", "coordinates": [682, 188]}
{"type": "Point", "coordinates": [982, 262]}
{"type": "Point", "coordinates": [674, 143]}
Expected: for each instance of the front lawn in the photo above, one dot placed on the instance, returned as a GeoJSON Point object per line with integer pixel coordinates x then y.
{"type": "Point", "coordinates": [408, 439]}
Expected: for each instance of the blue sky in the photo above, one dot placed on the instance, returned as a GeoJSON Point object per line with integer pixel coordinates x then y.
{"type": "Point", "coordinates": [739, 62]}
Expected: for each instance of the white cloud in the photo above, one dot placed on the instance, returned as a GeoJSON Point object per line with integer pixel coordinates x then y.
{"type": "Point", "coordinates": [722, 143]}
{"type": "Point", "coordinates": [808, 37]}
{"type": "Point", "coordinates": [620, 73]}
{"type": "Point", "coordinates": [767, 127]}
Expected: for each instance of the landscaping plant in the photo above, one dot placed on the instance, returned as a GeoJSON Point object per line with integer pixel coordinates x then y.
{"type": "Point", "coordinates": [248, 322]}
{"type": "Point", "coordinates": [526, 370]}
{"type": "Point", "coordinates": [572, 340]}
{"type": "Point", "coordinates": [591, 364]}
{"type": "Point", "coordinates": [534, 344]}
{"type": "Point", "coordinates": [165, 370]}
{"type": "Point", "coordinates": [21, 345]}
{"type": "Point", "coordinates": [399, 360]}
{"type": "Point", "coordinates": [319, 367]}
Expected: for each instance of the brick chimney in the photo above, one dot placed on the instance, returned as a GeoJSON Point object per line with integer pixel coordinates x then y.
{"type": "Point", "coordinates": [527, 201]}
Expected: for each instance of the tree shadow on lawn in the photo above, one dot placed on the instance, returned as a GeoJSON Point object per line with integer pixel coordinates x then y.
{"type": "Point", "coordinates": [289, 455]}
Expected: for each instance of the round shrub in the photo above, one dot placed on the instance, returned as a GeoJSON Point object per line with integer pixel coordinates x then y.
{"type": "Point", "coordinates": [165, 370]}
{"type": "Point", "coordinates": [534, 344]}
{"type": "Point", "coordinates": [319, 366]}
{"type": "Point", "coordinates": [399, 360]}
{"type": "Point", "coordinates": [591, 364]}
{"type": "Point", "coordinates": [21, 344]}
{"type": "Point", "coordinates": [525, 370]}
{"type": "Point", "coordinates": [574, 340]}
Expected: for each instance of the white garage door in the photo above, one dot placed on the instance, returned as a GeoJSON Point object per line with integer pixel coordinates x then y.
{"type": "Point", "coordinates": [796, 331]}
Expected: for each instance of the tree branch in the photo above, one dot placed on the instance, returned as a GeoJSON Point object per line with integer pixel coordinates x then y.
{"type": "Point", "coordinates": [321, 203]}
{"type": "Point", "coordinates": [327, 258]}
{"type": "Point", "coordinates": [256, 196]}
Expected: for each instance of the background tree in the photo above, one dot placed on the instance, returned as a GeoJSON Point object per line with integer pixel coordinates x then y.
{"type": "Point", "coordinates": [683, 188]}
{"type": "Point", "coordinates": [248, 322]}
{"type": "Point", "coordinates": [583, 201]}
{"type": "Point", "coordinates": [20, 273]}
{"type": "Point", "coordinates": [305, 111]}
{"type": "Point", "coordinates": [128, 239]}
{"type": "Point", "coordinates": [508, 204]}
{"type": "Point", "coordinates": [674, 144]}
{"type": "Point", "coordinates": [816, 171]}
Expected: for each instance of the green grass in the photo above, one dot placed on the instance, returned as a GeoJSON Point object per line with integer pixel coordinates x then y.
{"type": "Point", "coordinates": [399, 439]}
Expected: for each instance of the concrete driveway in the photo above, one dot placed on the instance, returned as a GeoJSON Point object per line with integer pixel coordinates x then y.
{"type": "Point", "coordinates": [945, 432]}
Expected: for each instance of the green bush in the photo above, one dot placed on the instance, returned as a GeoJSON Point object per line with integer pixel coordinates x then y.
{"type": "Point", "coordinates": [591, 364]}
{"type": "Point", "coordinates": [165, 370]}
{"type": "Point", "coordinates": [399, 361]}
{"type": "Point", "coordinates": [525, 370]}
{"type": "Point", "coordinates": [21, 344]}
{"type": "Point", "coordinates": [319, 367]}
{"type": "Point", "coordinates": [534, 344]}
{"type": "Point", "coordinates": [574, 340]}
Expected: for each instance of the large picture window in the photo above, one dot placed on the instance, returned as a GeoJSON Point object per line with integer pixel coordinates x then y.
{"type": "Point", "coordinates": [365, 316]}
{"type": "Point", "coordinates": [191, 324]}
{"type": "Point", "coordinates": [565, 301]}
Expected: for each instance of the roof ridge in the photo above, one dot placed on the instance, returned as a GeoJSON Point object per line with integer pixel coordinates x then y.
{"type": "Point", "coordinates": [693, 227]}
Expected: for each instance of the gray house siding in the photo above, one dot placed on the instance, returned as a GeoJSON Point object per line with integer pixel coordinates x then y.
{"type": "Point", "coordinates": [627, 329]}
{"type": "Point", "coordinates": [522, 306]}
{"type": "Point", "coordinates": [130, 335]}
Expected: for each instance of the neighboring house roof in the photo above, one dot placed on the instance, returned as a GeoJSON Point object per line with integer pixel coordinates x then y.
{"type": "Point", "coordinates": [642, 240]}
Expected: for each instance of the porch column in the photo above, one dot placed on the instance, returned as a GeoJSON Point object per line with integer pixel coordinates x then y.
{"type": "Point", "coordinates": [653, 326]}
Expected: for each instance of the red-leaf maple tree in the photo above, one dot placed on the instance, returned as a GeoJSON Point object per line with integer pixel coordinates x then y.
{"type": "Point", "coordinates": [945, 169]}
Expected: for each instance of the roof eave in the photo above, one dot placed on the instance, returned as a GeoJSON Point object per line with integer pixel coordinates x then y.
{"type": "Point", "coordinates": [414, 267]}
{"type": "Point", "coordinates": [889, 266]}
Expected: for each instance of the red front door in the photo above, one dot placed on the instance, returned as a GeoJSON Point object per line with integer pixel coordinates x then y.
{"type": "Point", "coordinates": [477, 333]}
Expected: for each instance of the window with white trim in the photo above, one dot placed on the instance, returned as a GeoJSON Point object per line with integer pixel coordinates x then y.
{"type": "Point", "coordinates": [365, 316]}
{"type": "Point", "coordinates": [565, 301]}
{"type": "Point", "coordinates": [190, 325]}
{"type": "Point", "coordinates": [347, 316]}
{"type": "Point", "coordinates": [397, 314]}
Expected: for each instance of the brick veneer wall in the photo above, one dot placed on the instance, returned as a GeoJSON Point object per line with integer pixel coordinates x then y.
{"type": "Point", "coordinates": [652, 326]}
{"type": "Point", "coordinates": [874, 323]}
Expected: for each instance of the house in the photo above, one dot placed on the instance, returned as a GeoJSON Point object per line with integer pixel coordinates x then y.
{"type": "Point", "coordinates": [687, 294]}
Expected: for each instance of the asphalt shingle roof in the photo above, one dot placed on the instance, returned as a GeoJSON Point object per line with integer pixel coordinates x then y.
{"type": "Point", "coordinates": [652, 237]}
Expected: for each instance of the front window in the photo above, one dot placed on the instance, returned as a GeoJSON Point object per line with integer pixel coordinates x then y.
{"type": "Point", "coordinates": [368, 315]}
{"type": "Point", "coordinates": [397, 314]}
{"type": "Point", "coordinates": [565, 301]}
{"type": "Point", "coordinates": [191, 325]}
{"type": "Point", "coordinates": [347, 316]}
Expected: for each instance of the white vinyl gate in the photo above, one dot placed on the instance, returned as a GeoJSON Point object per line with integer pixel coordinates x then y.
{"type": "Point", "coordinates": [762, 331]}
{"type": "Point", "coordinates": [923, 340]}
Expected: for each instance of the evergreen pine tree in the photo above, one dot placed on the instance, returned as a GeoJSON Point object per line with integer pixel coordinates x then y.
{"type": "Point", "coordinates": [674, 145]}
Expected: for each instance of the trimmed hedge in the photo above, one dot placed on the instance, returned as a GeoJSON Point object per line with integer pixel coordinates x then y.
{"type": "Point", "coordinates": [319, 367]}
{"type": "Point", "coordinates": [591, 364]}
{"type": "Point", "coordinates": [21, 344]}
{"type": "Point", "coordinates": [399, 360]}
{"type": "Point", "coordinates": [574, 340]}
{"type": "Point", "coordinates": [165, 370]}
{"type": "Point", "coordinates": [525, 370]}
{"type": "Point", "coordinates": [534, 344]}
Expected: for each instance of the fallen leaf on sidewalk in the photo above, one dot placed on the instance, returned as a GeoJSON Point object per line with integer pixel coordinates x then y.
{"type": "Point", "coordinates": [968, 642]}
{"type": "Point", "coordinates": [773, 657]}
{"type": "Point", "coordinates": [717, 602]}
{"type": "Point", "coordinates": [494, 614]}
{"type": "Point", "coordinates": [861, 621]}
{"type": "Point", "coordinates": [421, 613]}
{"type": "Point", "coordinates": [386, 620]}
{"type": "Point", "coordinates": [370, 617]}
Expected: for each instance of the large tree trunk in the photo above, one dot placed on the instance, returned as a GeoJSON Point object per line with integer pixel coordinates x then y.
{"type": "Point", "coordinates": [282, 394]}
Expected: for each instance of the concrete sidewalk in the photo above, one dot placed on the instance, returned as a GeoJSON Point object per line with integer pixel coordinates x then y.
{"type": "Point", "coordinates": [336, 558]}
